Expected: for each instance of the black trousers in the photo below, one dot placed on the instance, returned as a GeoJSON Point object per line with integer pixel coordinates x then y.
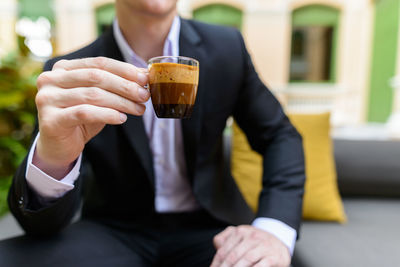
{"type": "Point", "coordinates": [183, 239]}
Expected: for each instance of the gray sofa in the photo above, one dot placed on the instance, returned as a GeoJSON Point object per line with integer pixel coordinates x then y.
{"type": "Point", "coordinates": [369, 182]}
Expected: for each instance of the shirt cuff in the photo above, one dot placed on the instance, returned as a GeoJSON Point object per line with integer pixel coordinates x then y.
{"type": "Point", "coordinates": [282, 231]}
{"type": "Point", "coordinates": [46, 186]}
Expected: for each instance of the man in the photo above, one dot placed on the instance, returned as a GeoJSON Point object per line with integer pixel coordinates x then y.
{"type": "Point", "coordinates": [154, 190]}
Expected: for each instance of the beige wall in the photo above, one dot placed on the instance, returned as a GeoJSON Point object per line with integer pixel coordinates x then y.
{"type": "Point", "coordinates": [354, 58]}
{"type": "Point", "coordinates": [267, 32]}
{"type": "Point", "coordinates": [76, 23]}
{"type": "Point", "coordinates": [8, 14]}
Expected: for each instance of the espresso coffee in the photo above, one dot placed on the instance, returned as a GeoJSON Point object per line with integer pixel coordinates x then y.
{"type": "Point", "coordinates": [173, 100]}
{"type": "Point", "coordinates": [173, 89]}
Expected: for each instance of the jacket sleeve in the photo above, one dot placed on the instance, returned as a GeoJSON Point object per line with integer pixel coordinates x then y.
{"type": "Point", "coordinates": [270, 133]}
{"type": "Point", "coordinates": [27, 209]}
{"type": "Point", "coordinates": [32, 216]}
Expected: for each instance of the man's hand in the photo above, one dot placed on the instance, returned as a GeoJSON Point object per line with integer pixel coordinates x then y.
{"type": "Point", "coordinates": [246, 245]}
{"type": "Point", "coordinates": [77, 99]}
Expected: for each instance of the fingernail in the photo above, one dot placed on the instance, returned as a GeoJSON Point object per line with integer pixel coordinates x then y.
{"type": "Point", "coordinates": [142, 78]}
{"type": "Point", "coordinates": [143, 70]}
{"type": "Point", "coordinates": [123, 117]}
{"type": "Point", "coordinates": [143, 93]}
{"type": "Point", "coordinates": [141, 108]}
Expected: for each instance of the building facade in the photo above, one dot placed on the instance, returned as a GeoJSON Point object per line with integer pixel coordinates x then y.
{"type": "Point", "coordinates": [315, 55]}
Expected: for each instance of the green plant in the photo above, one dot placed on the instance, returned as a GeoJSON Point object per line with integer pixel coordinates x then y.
{"type": "Point", "coordinates": [18, 76]}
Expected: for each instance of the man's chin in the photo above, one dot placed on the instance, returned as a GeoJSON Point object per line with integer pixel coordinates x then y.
{"type": "Point", "coordinates": [159, 13]}
{"type": "Point", "coordinates": [152, 8]}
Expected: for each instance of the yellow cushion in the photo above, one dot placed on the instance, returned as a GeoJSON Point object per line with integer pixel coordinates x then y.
{"type": "Point", "coordinates": [321, 200]}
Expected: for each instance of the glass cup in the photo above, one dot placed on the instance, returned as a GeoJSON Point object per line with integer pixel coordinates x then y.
{"type": "Point", "coordinates": [173, 82]}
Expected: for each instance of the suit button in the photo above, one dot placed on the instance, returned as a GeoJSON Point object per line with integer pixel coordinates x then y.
{"type": "Point", "coordinates": [21, 202]}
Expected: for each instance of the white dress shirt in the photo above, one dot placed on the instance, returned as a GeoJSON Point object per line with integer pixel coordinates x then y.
{"type": "Point", "coordinates": [173, 191]}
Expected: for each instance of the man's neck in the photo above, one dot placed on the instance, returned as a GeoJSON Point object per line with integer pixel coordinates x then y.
{"type": "Point", "coordinates": [145, 34]}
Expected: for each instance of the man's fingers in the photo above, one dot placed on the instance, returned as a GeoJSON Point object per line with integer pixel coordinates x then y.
{"type": "Point", "coordinates": [256, 246]}
{"type": "Point", "coordinates": [228, 247]}
{"type": "Point", "coordinates": [91, 95]}
{"type": "Point", "coordinates": [119, 68]}
{"type": "Point", "coordinates": [263, 263]}
{"type": "Point", "coordinates": [88, 114]}
{"type": "Point", "coordinates": [241, 249]}
{"type": "Point", "coordinates": [220, 238]}
{"type": "Point", "coordinates": [228, 241]}
{"type": "Point", "coordinates": [252, 256]}
{"type": "Point", "coordinates": [96, 78]}
{"type": "Point", "coordinates": [219, 241]}
{"type": "Point", "coordinates": [236, 245]}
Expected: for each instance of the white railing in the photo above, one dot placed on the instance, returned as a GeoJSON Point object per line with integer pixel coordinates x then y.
{"type": "Point", "coordinates": [393, 123]}
{"type": "Point", "coordinates": [317, 98]}
{"type": "Point", "coordinates": [311, 97]}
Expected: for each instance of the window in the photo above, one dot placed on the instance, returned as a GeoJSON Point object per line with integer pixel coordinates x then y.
{"type": "Point", "coordinates": [104, 17]}
{"type": "Point", "coordinates": [311, 54]}
{"type": "Point", "coordinates": [314, 41]}
{"type": "Point", "coordinates": [219, 14]}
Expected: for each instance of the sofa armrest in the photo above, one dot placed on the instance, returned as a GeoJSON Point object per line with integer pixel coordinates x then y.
{"type": "Point", "coordinates": [368, 167]}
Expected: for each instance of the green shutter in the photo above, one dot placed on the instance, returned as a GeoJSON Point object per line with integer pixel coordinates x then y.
{"type": "Point", "coordinates": [385, 46]}
{"type": "Point", "coordinates": [315, 15]}
{"type": "Point", "coordinates": [104, 17]}
{"type": "Point", "coordinates": [34, 9]}
{"type": "Point", "coordinates": [219, 14]}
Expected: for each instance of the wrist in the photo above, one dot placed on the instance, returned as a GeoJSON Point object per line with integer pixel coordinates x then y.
{"type": "Point", "coordinates": [52, 166]}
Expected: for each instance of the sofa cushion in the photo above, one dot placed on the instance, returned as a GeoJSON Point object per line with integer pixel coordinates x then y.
{"type": "Point", "coordinates": [9, 227]}
{"type": "Point", "coordinates": [370, 238]}
{"type": "Point", "coordinates": [321, 199]}
{"type": "Point", "coordinates": [367, 167]}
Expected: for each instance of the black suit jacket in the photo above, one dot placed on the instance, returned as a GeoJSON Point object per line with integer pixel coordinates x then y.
{"type": "Point", "coordinates": [117, 172]}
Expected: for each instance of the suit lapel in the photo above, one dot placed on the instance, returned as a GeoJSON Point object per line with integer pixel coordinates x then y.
{"type": "Point", "coordinates": [190, 46]}
{"type": "Point", "coordinates": [134, 126]}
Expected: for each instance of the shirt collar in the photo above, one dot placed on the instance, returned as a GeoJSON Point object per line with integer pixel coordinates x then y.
{"type": "Point", "coordinates": [171, 44]}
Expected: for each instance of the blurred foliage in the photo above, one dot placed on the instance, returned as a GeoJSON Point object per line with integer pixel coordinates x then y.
{"type": "Point", "coordinates": [18, 75]}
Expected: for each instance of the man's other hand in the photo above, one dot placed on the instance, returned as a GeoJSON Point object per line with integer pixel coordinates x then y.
{"type": "Point", "coordinates": [76, 100]}
{"type": "Point", "coordinates": [246, 245]}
